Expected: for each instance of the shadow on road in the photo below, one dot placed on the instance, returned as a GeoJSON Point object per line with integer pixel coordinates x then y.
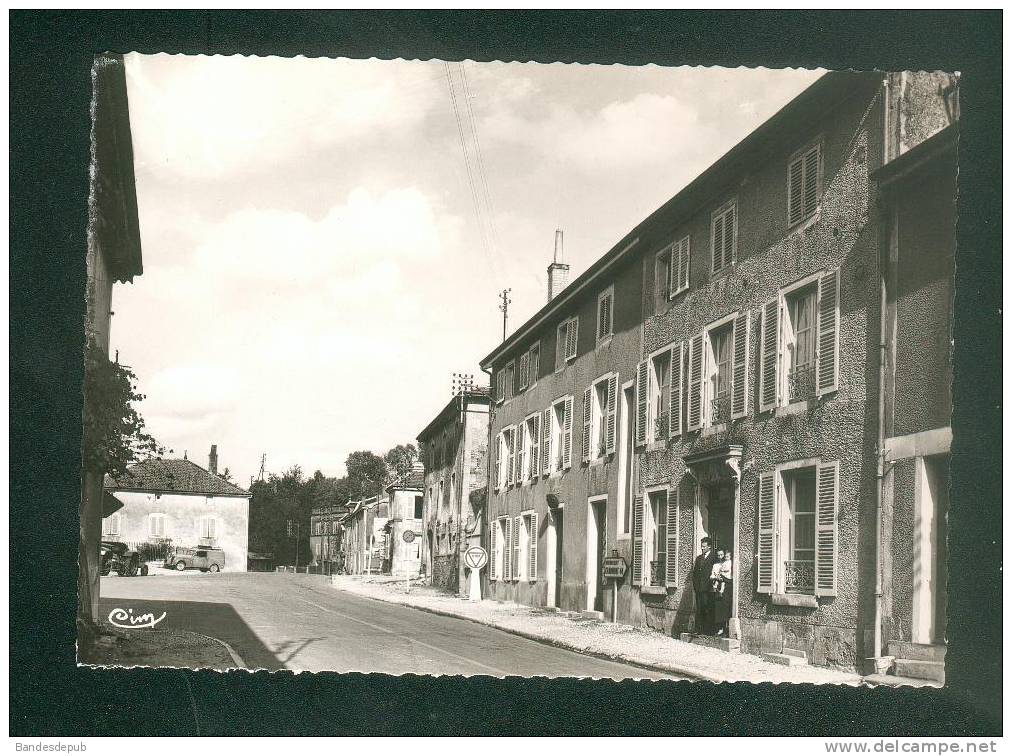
{"type": "Point", "coordinates": [299, 646]}
{"type": "Point", "coordinates": [217, 620]}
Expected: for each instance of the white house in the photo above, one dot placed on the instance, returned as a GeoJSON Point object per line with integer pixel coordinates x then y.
{"type": "Point", "coordinates": [178, 500]}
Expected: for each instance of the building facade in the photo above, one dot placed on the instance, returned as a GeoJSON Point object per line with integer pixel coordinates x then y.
{"type": "Point", "coordinates": [716, 374]}
{"type": "Point", "coordinates": [404, 528]}
{"type": "Point", "coordinates": [363, 535]}
{"type": "Point", "coordinates": [176, 503]}
{"type": "Point", "coordinates": [325, 536]}
{"type": "Point", "coordinates": [454, 450]}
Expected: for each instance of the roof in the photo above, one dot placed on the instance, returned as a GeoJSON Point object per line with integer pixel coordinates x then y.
{"type": "Point", "coordinates": [172, 476]}
{"type": "Point", "coordinates": [776, 134]}
{"type": "Point", "coordinates": [912, 162]}
{"type": "Point", "coordinates": [413, 480]}
{"type": "Point", "coordinates": [477, 395]}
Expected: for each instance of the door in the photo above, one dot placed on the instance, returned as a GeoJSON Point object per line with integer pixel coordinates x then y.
{"type": "Point", "coordinates": [200, 560]}
{"type": "Point", "coordinates": [595, 554]}
{"type": "Point", "coordinates": [553, 559]}
{"type": "Point", "coordinates": [931, 490]}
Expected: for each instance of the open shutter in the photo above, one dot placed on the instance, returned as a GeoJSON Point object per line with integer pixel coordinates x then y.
{"type": "Point", "coordinates": [671, 547]}
{"type": "Point", "coordinates": [739, 375]}
{"type": "Point", "coordinates": [567, 434]}
{"type": "Point", "coordinates": [572, 332]}
{"type": "Point", "coordinates": [812, 188]}
{"type": "Point", "coordinates": [828, 359]}
{"type": "Point", "coordinates": [637, 541]}
{"type": "Point", "coordinates": [507, 549]}
{"type": "Point", "coordinates": [535, 445]}
{"type": "Point", "coordinates": [662, 540]}
{"type": "Point", "coordinates": [500, 385]}
{"type": "Point", "coordinates": [765, 566]}
{"type": "Point", "coordinates": [769, 355]}
{"type": "Point", "coordinates": [511, 453]}
{"type": "Point", "coordinates": [532, 549]}
{"type": "Point", "coordinates": [521, 464]}
{"type": "Point", "coordinates": [588, 416]}
{"type": "Point", "coordinates": [547, 459]}
{"type": "Point", "coordinates": [493, 542]}
{"type": "Point", "coordinates": [795, 192]}
{"type": "Point", "coordinates": [534, 365]}
{"type": "Point", "coordinates": [524, 362]}
{"type": "Point", "coordinates": [672, 282]}
{"type": "Point", "coordinates": [826, 514]}
{"type": "Point", "coordinates": [498, 462]}
{"type": "Point", "coordinates": [517, 524]}
{"type": "Point", "coordinates": [642, 403]}
{"type": "Point", "coordinates": [675, 403]}
{"type": "Point", "coordinates": [680, 264]}
{"type": "Point", "coordinates": [611, 414]}
{"type": "Point", "coordinates": [695, 409]}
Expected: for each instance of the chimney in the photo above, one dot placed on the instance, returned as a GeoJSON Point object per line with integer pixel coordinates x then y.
{"type": "Point", "coordinates": [558, 271]}
{"type": "Point", "coordinates": [212, 460]}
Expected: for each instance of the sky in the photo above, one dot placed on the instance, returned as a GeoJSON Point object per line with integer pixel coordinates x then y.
{"type": "Point", "coordinates": [324, 240]}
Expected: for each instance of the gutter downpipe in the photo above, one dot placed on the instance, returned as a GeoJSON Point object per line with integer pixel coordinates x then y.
{"type": "Point", "coordinates": [482, 517]}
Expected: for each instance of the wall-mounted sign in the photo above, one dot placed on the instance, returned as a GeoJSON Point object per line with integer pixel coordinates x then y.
{"type": "Point", "coordinates": [408, 536]}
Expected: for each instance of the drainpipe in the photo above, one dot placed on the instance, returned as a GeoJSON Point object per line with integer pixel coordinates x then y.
{"type": "Point", "coordinates": [483, 516]}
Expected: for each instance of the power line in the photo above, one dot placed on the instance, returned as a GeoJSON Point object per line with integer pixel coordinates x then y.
{"type": "Point", "coordinates": [482, 172]}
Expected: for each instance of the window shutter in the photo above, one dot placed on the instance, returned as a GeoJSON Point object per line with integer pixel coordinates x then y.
{"type": "Point", "coordinates": [769, 355]}
{"type": "Point", "coordinates": [642, 402]}
{"type": "Point", "coordinates": [524, 361]}
{"type": "Point", "coordinates": [826, 517]}
{"type": "Point", "coordinates": [671, 548]}
{"type": "Point", "coordinates": [828, 370]}
{"type": "Point", "coordinates": [731, 235]}
{"type": "Point", "coordinates": [521, 443]}
{"type": "Point", "coordinates": [535, 445]}
{"type": "Point", "coordinates": [492, 553]}
{"type": "Point", "coordinates": [496, 481]}
{"type": "Point", "coordinates": [682, 280]}
{"type": "Point", "coordinates": [662, 540]}
{"type": "Point", "coordinates": [604, 317]}
{"type": "Point", "coordinates": [532, 549]}
{"type": "Point", "coordinates": [695, 409]}
{"type": "Point", "coordinates": [534, 365]}
{"type": "Point", "coordinates": [561, 335]}
{"type": "Point", "coordinates": [572, 331]}
{"type": "Point", "coordinates": [567, 434]}
{"type": "Point", "coordinates": [611, 414]}
{"type": "Point", "coordinates": [675, 403]}
{"type": "Point", "coordinates": [588, 416]}
{"type": "Point", "coordinates": [795, 192]}
{"type": "Point", "coordinates": [672, 282]}
{"type": "Point", "coordinates": [547, 459]}
{"type": "Point", "coordinates": [507, 550]}
{"type": "Point", "coordinates": [765, 567]}
{"type": "Point", "coordinates": [739, 392]}
{"type": "Point", "coordinates": [511, 453]}
{"type": "Point", "coordinates": [517, 524]}
{"type": "Point", "coordinates": [811, 196]}
{"type": "Point", "coordinates": [637, 541]}
{"type": "Point", "coordinates": [500, 385]}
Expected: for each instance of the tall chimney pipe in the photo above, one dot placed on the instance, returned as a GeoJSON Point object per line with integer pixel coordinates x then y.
{"type": "Point", "coordinates": [212, 460]}
{"type": "Point", "coordinates": [558, 271]}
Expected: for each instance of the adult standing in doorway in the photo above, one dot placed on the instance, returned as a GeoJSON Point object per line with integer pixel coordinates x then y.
{"type": "Point", "coordinates": [702, 586]}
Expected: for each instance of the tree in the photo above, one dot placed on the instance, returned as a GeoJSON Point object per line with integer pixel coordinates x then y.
{"type": "Point", "coordinates": [367, 474]}
{"type": "Point", "coordinates": [401, 459]}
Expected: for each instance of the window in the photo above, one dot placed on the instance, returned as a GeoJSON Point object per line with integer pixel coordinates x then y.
{"type": "Point", "coordinates": [718, 372]}
{"type": "Point", "coordinates": [524, 371]}
{"type": "Point", "coordinates": [208, 527]}
{"type": "Point", "coordinates": [565, 345]}
{"type": "Point", "coordinates": [505, 458]}
{"type": "Point", "coordinates": [533, 444]}
{"type": "Point", "coordinates": [655, 538]}
{"type": "Point", "coordinates": [660, 395]}
{"type": "Point", "coordinates": [111, 525]}
{"type": "Point", "coordinates": [798, 513]}
{"type": "Point", "coordinates": [662, 279]}
{"type": "Point", "coordinates": [533, 364]}
{"type": "Point", "coordinates": [671, 273]}
{"type": "Point", "coordinates": [500, 385]}
{"type": "Point", "coordinates": [599, 417]}
{"type": "Point", "coordinates": [156, 525]}
{"type": "Point", "coordinates": [804, 184]}
{"type": "Point", "coordinates": [419, 507]}
{"type": "Point", "coordinates": [561, 437]}
{"type": "Point", "coordinates": [800, 334]}
{"type": "Point", "coordinates": [724, 236]}
{"type": "Point", "coordinates": [605, 314]}
{"type": "Point", "coordinates": [526, 551]}
{"type": "Point", "coordinates": [510, 371]}
{"type": "Point", "coordinates": [719, 362]}
{"type": "Point", "coordinates": [502, 546]}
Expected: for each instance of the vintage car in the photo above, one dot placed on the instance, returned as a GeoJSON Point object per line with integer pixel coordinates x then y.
{"type": "Point", "coordinates": [118, 556]}
{"type": "Point", "coordinates": [203, 558]}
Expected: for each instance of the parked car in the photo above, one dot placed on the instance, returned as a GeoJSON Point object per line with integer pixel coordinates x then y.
{"type": "Point", "coordinates": [116, 555]}
{"type": "Point", "coordinates": [205, 559]}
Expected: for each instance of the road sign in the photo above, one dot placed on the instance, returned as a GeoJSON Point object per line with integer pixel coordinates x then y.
{"type": "Point", "coordinates": [614, 567]}
{"type": "Point", "coordinates": [475, 558]}
{"type": "Point", "coordinates": [408, 536]}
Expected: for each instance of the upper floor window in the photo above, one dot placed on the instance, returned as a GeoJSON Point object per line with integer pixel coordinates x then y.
{"type": "Point", "coordinates": [156, 525]}
{"type": "Point", "coordinates": [557, 436]}
{"type": "Point", "coordinates": [565, 345]}
{"type": "Point", "coordinates": [533, 363]}
{"type": "Point", "coordinates": [660, 395]}
{"type": "Point", "coordinates": [671, 275]}
{"type": "Point", "coordinates": [804, 184]}
{"type": "Point", "coordinates": [111, 525]}
{"type": "Point", "coordinates": [208, 527]}
{"type": "Point", "coordinates": [799, 340]}
{"type": "Point", "coordinates": [531, 467]}
{"type": "Point", "coordinates": [605, 314]}
{"type": "Point", "coordinates": [600, 402]}
{"type": "Point", "coordinates": [718, 372]}
{"type": "Point", "coordinates": [419, 503]}
{"type": "Point", "coordinates": [662, 279]}
{"type": "Point", "coordinates": [500, 385]}
{"type": "Point", "coordinates": [510, 376]}
{"type": "Point", "coordinates": [724, 236]}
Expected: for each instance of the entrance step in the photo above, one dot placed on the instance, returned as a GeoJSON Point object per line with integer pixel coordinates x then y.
{"type": "Point", "coordinates": [591, 614]}
{"type": "Point", "coordinates": [896, 681]}
{"type": "Point", "coordinates": [795, 652]}
{"type": "Point", "coordinates": [787, 660]}
{"type": "Point", "coordinates": [728, 645]}
{"type": "Point", "coordinates": [920, 669]}
{"type": "Point", "coordinates": [934, 652]}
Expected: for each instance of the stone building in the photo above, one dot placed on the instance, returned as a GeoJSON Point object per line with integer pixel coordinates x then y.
{"type": "Point", "coordinates": [325, 535]}
{"type": "Point", "coordinates": [363, 535]}
{"type": "Point", "coordinates": [716, 374]}
{"type": "Point", "coordinates": [454, 450]}
{"type": "Point", "coordinates": [404, 528]}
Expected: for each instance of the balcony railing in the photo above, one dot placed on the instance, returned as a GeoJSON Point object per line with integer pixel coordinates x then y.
{"type": "Point", "coordinates": [661, 425]}
{"type": "Point", "coordinates": [720, 409]}
{"type": "Point", "coordinates": [657, 569]}
{"type": "Point", "coordinates": [801, 382]}
{"type": "Point", "coordinates": [799, 576]}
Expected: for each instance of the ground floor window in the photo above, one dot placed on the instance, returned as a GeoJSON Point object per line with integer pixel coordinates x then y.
{"type": "Point", "coordinates": [111, 525]}
{"type": "Point", "coordinates": [656, 536]}
{"type": "Point", "coordinates": [156, 525]}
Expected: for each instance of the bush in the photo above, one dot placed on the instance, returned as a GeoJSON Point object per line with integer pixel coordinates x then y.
{"type": "Point", "coordinates": [155, 551]}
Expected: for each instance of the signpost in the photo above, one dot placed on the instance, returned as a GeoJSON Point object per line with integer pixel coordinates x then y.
{"type": "Point", "coordinates": [614, 570]}
{"type": "Point", "coordinates": [474, 559]}
{"type": "Point", "coordinates": [408, 536]}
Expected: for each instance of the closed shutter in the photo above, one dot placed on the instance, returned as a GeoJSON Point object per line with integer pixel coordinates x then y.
{"type": "Point", "coordinates": [572, 333]}
{"type": "Point", "coordinates": [681, 265]}
{"type": "Point", "coordinates": [547, 458]}
{"type": "Point", "coordinates": [500, 386]}
{"type": "Point", "coordinates": [739, 376]}
{"type": "Point", "coordinates": [493, 566]}
{"type": "Point", "coordinates": [829, 333]}
{"type": "Point", "coordinates": [765, 567]}
{"type": "Point", "coordinates": [611, 414]}
{"type": "Point", "coordinates": [588, 416]}
{"type": "Point", "coordinates": [604, 317]}
{"type": "Point", "coordinates": [642, 402]}
{"type": "Point", "coordinates": [521, 464]}
{"type": "Point", "coordinates": [497, 480]}
{"type": "Point", "coordinates": [812, 188]}
{"type": "Point", "coordinates": [671, 548]}
{"type": "Point", "coordinates": [695, 408]}
{"type": "Point", "coordinates": [769, 359]}
{"type": "Point", "coordinates": [524, 361]}
{"type": "Point", "coordinates": [795, 192]}
{"type": "Point", "coordinates": [662, 537]}
{"type": "Point", "coordinates": [517, 524]}
{"type": "Point", "coordinates": [675, 403]}
{"type": "Point", "coordinates": [637, 541]}
{"type": "Point", "coordinates": [567, 434]}
{"type": "Point", "coordinates": [507, 549]}
{"type": "Point", "coordinates": [535, 425]}
{"type": "Point", "coordinates": [532, 548]}
{"type": "Point", "coordinates": [826, 516]}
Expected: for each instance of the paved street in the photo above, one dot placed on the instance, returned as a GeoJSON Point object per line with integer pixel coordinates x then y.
{"type": "Point", "coordinates": [299, 622]}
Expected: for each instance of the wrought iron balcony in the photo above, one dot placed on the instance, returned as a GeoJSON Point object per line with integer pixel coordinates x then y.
{"type": "Point", "coordinates": [801, 382]}
{"type": "Point", "coordinates": [799, 576]}
{"type": "Point", "coordinates": [720, 409]}
{"type": "Point", "coordinates": [657, 569]}
{"type": "Point", "coordinates": [661, 425]}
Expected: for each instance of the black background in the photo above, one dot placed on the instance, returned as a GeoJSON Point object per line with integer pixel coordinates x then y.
{"type": "Point", "coordinates": [50, 60]}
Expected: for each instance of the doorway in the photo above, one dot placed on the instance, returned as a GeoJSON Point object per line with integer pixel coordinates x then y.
{"type": "Point", "coordinates": [716, 515]}
{"type": "Point", "coordinates": [553, 545]}
{"type": "Point", "coordinates": [595, 553]}
{"type": "Point", "coordinates": [931, 494]}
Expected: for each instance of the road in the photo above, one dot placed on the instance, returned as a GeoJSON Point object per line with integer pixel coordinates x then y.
{"type": "Point", "coordinates": [300, 622]}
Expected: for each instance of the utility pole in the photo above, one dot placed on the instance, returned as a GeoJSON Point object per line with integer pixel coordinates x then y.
{"type": "Point", "coordinates": [505, 307]}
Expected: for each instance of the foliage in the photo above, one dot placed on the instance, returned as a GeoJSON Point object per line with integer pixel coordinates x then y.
{"type": "Point", "coordinates": [114, 434]}
{"type": "Point", "coordinates": [367, 474]}
{"type": "Point", "coordinates": [155, 551]}
{"type": "Point", "coordinates": [401, 459]}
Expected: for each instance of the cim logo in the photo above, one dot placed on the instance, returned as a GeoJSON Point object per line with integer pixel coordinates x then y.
{"type": "Point", "coordinates": [125, 618]}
